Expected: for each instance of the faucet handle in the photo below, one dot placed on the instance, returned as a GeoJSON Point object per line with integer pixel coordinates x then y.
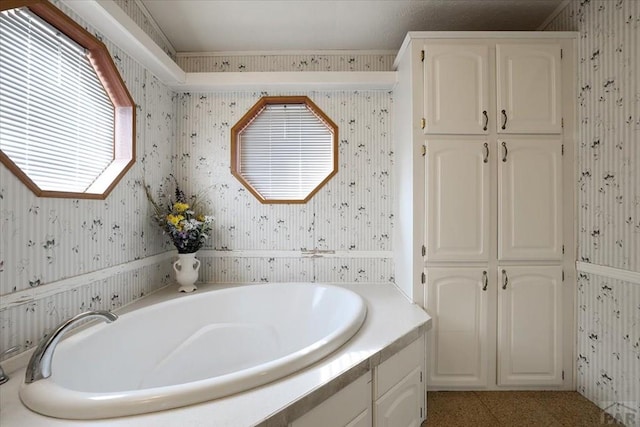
{"type": "Point", "coordinates": [3, 377]}
{"type": "Point", "coordinates": [10, 350]}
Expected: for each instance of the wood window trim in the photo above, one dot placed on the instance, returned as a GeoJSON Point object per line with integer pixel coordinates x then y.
{"type": "Point", "coordinates": [246, 120]}
{"type": "Point", "coordinates": [124, 147]}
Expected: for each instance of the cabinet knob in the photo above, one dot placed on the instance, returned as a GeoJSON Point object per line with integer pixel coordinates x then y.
{"type": "Point", "coordinates": [485, 281]}
{"type": "Point", "coordinates": [505, 279]}
{"type": "Point", "coordinates": [486, 153]}
{"type": "Point", "coordinates": [486, 120]}
{"type": "Point", "coordinates": [504, 151]}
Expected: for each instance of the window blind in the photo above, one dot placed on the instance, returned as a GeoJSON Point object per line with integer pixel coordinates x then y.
{"type": "Point", "coordinates": [56, 120]}
{"type": "Point", "coordinates": [286, 152]}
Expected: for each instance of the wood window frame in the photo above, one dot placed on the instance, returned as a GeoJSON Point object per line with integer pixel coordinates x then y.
{"type": "Point", "coordinates": [246, 120]}
{"type": "Point", "coordinates": [124, 147]}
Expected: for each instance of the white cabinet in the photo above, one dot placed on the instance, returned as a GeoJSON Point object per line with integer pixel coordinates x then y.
{"type": "Point", "coordinates": [466, 101]}
{"type": "Point", "coordinates": [528, 85]}
{"type": "Point", "coordinates": [494, 116]}
{"type": "Point", "coordinates": [458, 83]}
{"type": "Point", "coordinates": [456, 89]}
{"type": "Point", "coordinates": [400, 406]}
{"type": "Point", "coordinates": [530, 199]}
{"type": "Point", "coordinates": [458, 200]}
{"type": "Point", "coordinates": [350, 407]}
{"type": "Point", "coordinates": [393, 394]}
{"type": "Point", "coordinates": [458, 302]}
{"type": "Point", "coordinates": [399, 388]}
{"type": "Point", "coordinates": [530, 325]}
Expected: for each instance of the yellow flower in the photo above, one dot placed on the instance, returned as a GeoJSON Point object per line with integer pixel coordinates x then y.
{"type": "Point", "coordinates": [180, 207]}
{"type": "Point", "coordinates": [200, 218]}
{"type": "Point", "coordinates": [174, 219]}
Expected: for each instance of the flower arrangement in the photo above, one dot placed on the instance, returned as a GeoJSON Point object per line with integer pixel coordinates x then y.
{"type": "Point", "coordinates": [179, 218]}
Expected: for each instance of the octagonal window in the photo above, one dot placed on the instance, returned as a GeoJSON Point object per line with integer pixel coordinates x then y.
{"type": "Point", "coordinates": [66, 118]}
{"type": "Point", "coordinates": [284, 149]}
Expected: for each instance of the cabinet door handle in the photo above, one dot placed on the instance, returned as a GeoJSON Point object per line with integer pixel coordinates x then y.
{"type": "Point", "coordinates": [486, 120]}
{"type": "Point", "coordinates": [504, 119]}
{"type": "Point", "coordinates": [504, 151]}
{"type": "Point", "coordinates": [485, 281]}
{"type": "Point", "coordinates": [486, 153]}
{"type": "Point", "coordinates": [505, 279]}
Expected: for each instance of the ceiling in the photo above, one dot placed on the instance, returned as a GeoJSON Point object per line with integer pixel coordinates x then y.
{"type": "Point", "coordinates": [311, 25]}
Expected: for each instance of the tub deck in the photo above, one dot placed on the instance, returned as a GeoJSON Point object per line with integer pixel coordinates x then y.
{"type": "Point", "coordinates": [392, 323]}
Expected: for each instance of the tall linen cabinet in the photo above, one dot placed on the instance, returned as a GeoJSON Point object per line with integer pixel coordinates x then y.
{"type": "Point", "coordinates": [485, 130]}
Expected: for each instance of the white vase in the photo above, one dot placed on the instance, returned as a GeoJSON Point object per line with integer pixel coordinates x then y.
{"type": "Point", "coordinates": [186, 268]}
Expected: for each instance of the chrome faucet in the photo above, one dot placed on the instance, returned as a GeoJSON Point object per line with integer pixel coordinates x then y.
{"type": "Point", "coordinates": [39, 366]}
{"type": "Point", "coordinates": [4, 377]}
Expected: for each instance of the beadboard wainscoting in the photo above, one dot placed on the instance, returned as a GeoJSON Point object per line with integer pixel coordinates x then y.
{"type": "Point", "coordinates": [608, 209]}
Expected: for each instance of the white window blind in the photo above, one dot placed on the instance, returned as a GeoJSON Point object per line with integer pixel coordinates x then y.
{"type": "Point", "coordinates": [286, 152]}
{"type": "Point", "coordinates": [56, 120]}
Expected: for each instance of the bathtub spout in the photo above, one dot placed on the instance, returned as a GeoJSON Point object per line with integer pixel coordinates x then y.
{"type": "Point", "coordinates": [39, 366]}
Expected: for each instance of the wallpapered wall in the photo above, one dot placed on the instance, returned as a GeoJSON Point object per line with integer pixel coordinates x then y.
{"type": "Point", "coordinates": [344, 233]}
{"type": "Point", "coordinates": [51, 247]}
{"type": "Point", "coordinates": [46, 240]}
{"type": "Point", "coordinates": [194, 63]}
{"type": "Point", "coordinates": [608, 346]}
{"type": "Point", "coordinates": [352, 214]}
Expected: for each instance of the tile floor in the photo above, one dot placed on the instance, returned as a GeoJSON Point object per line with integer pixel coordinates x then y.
{"type": "Point", "coordinates": [512, 408]}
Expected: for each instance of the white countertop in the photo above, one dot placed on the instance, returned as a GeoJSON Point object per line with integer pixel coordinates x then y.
{"type": "Point", "coordinates": [390, 316]}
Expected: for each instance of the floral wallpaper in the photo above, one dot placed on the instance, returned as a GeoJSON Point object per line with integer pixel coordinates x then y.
{"type": "Point", "coordinates": [344, 233]}
{"type": "Point", "coordinates": [195, 63]}
{"type": "Point", "coordinates": [608, 352]}
{"type": "Point", "coordinates": [608, 155]}
{"type": "Point", "coordinates": [46, 240]}
{"type": "Point", "coordinates": [351, 214]}
{"type": "Point", "coordinates": [609, 117]}
{"type": "Point", "coordinates": [51, 247]}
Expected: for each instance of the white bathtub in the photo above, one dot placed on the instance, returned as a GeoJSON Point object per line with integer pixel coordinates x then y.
{"type": "Point", "coordinates": [194, 349]}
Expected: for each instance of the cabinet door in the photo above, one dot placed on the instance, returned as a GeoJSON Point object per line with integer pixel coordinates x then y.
{"type": "Point", "coordinates": [528, 84]}
{"type": "Point", "coordinates": [530, 199]}
{"type": "Point", "coordinates": [457, 301]}
{"type": "Point", "coordinates": [530, 326]}
{"type": "Point", "coordinates": [456, 89]}
{"type": "Point", "coordinates": [458, 200]}
{"type": "Point", "coordinates": [402, 405]}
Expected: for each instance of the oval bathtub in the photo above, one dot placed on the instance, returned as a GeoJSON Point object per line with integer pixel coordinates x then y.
{"type": "Point", "coordinates": [195, 348]}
